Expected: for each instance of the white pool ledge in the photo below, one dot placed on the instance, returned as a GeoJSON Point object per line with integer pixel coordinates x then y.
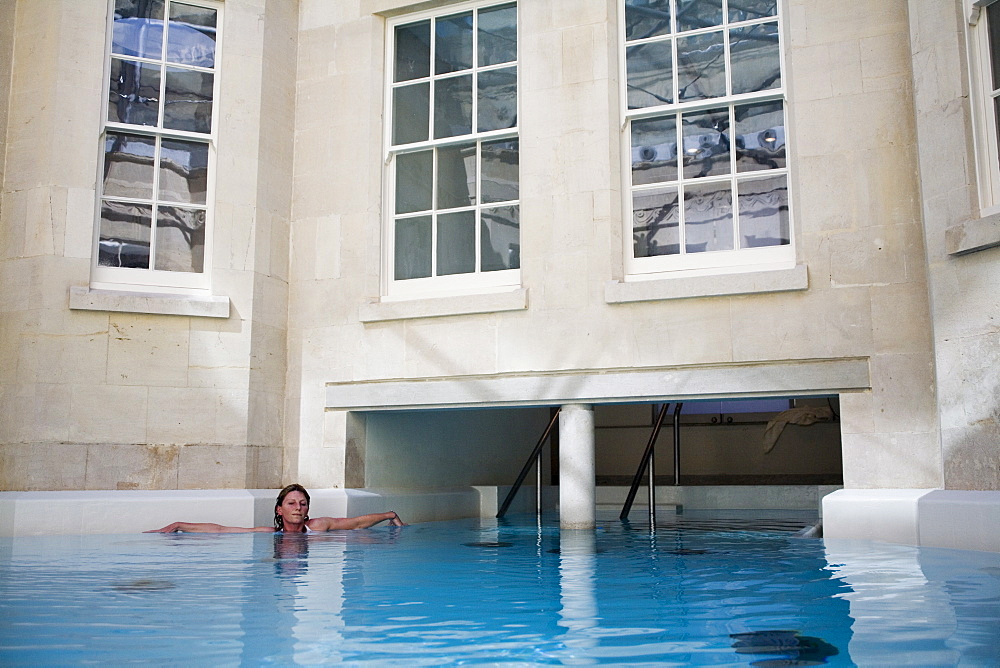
{"type": "Point", "coordinates": [965, 520]}
{"type": "Point", "coordinates": [118, 512]}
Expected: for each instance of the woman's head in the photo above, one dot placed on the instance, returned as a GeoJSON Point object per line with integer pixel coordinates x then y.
{"type": "Point", "coordinates": [280, 503]}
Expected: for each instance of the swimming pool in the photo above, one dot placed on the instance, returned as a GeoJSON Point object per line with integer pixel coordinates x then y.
{"type": "Point", "coordinates": [708, 588]}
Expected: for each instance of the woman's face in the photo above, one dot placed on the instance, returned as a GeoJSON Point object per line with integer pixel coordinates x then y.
{"type": "Point", "coordinates": [294, 507]}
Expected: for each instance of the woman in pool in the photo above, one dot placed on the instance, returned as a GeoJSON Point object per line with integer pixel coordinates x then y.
{"type": "Point", "coordinates": [291, 515]}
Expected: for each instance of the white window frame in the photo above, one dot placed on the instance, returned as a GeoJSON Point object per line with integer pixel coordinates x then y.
{"type": "Point", "coordinates": [479, 282]}
{"type": "Point", "coordinates": [711, 262]}
{"type": "Point", "coordinates": [151, 280]}
{"type": "Point", "coordinates": [987, 151]}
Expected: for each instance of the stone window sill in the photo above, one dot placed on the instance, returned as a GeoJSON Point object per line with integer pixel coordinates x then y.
{"type": "Point", "coordinates": [435, 307]}
{"type": "Point", "coordinates": [973, 235]}
{"type": "Point", "coordinates": [753, 282]}
{"type": "Point", "coordinates": [156, 303]}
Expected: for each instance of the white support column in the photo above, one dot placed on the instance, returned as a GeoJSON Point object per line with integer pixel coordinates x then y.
{"type": "Point", "coordinates": [577, 493]}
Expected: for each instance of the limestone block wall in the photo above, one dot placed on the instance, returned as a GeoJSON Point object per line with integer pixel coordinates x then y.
{"type": "Point", "coordinates": [962, 251]}
{"type": "Point", "coordinates": [857, 219]}
{"type": "Point", "coordinates": [105, 399]}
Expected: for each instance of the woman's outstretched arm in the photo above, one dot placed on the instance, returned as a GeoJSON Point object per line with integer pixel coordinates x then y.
{"type": "Point", "coordinates": [359, 522]}
{"type": "Point", "coordinates": [206, 527]}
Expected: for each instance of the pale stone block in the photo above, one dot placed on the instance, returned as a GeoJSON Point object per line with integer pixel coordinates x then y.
{"type": "Point", "coordinates": [563, 287]}
{"type": "Point", "coordinates": [857, 414]}
{"type": "Point", "coordinates": [267, 467]}
{"type": "Point", "coordinates": [965, 297]}
{"type": "Point", "coordinates": [267, 358]}
{"type": "Point", "coordinates": [35, 412]}
{"type": "Point", "coordinates": [903, 392]}
{"type": "Point", "coordinates": [970, 457]}
{"type": "Point", "coordinates": [131, 466]}
{"type": "Point", "coordinates": [828, 193]}
{"type": "Point", "coordinates": [980, 371]}
{"type": "Point", "coordinates": [664, 336]}
{"type": "Point", "coordinates": [318, 467]}
{"type": "Point", "coordinates": [830, 324]}
{"type": "Point", "coordinates": [80, 222]}
{"type": "Point", "coordinates": [450, 347]}
{"type": "Point", "coordinates": [270, 303]}
{"type": "Point", "coordinates": [563, 340]}
{"type": "Point", "coordinates": [108, 413]}
{"type": "Point", "coordinates": [195, 416]}
{"type": "Point", "coordinates": [218, 354]}
{"type": "Point", "coordinates": [584, 53]}
{"type": "Point", "coordinates": [381, 350]}
{"type": "Point", "coordinates": [42, 466]}
{"type": "Point", "coordinates": [901, 319]}
{"type": "Point", "coordinates": [148, 350]}
{"type": "Point", "coordinates": [159, 303]}
{"type": "Point", "coordinates": [845, 67]}
{"type": "Point", "coordinates": [38, 222]}
{"type": "Point", "coordinates": [951, 384]}
{"type": "Point", "coordinates": [973, 235]}
{"type": "Point", "coordinates": [852, 19]}
{"type": "Point", "coordinates": [889, 460]}
{"type": "Point", "coordinates": [851, 259]}
{"type": "Point", "coordinates": [234, 225]}
{"type": "Point", "coordinates": [809, 70]}
{"type": "Point", "coordinates": [212, 467]}
{"type": "Point", "coordinates": [264, 422]}
{"type": "Point", "coordinates": [886, 61]}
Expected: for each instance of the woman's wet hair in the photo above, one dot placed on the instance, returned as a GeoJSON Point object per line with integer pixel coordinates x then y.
{"type": "Point", "coordinates": [279, 523]}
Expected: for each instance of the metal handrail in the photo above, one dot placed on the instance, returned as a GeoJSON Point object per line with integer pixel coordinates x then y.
{"type": "Point", "coordinates": [677, 443]}
{"type": "Point", "coordinates": [534, 458]}
{"type": "Point", "coordinates": [647, 460]}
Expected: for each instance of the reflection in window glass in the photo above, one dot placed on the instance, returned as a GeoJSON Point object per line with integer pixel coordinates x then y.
{"type": "Point", "coordinates": [456, 243]}
{"type": "Point", "coordinates": [124, 235]}
{"type": "Point", "coordinates": [708, 218]}
{"type": "Point", "coordinates": [650, 74]}
{"type": "Point", "coordinates": [500, 179]}
{"type": "Point", "coordinates": [497, 99]}
{"type": "Point", "coordinates": [705, 180]}
{"type": "Point", "coordinates": [456, 182]}
{"type": "Point", "coordinates": [128, 165]}
{"type": "Point", "coordinates": [497, 35]}
{"type": "Point", "coordinates": [180, 239]}
{"type": "Point", "coordinates": [701, 66]}
{"type": "Point", "coordinates": [453, 43]}
{"type": "Point", "coordinates": [463, 111]}
{"type": "Point", "coordinates": [501, 245]}
{"type": "Point", "coordinates": [138, 28]}
{"type": "Point", "coordinates": [413, 181]}
{"type": "Point", "coordinates": [413, 248]}
{"type": "Point", "coordinates": [183, 171]}
{"type": "Point", "coordinates": [134, 93]}
{"type": "Point", "coordinates": [453, 107]}
{"type": "Point", "coordinates": [646, 18]}
{"type": "Point", "coordinates": [656, 223]}
{"type": "Point", "coordinates": [763, 209]}
{"type": "Point", "coordinates": [150, 170]}
{"type": "Point", "coordinates": [756, 63]}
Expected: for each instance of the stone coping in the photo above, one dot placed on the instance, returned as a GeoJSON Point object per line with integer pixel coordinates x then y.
{"type": "Point", "coordinates": [965, 520]}
{"type": "Point", "coordinates": [134, 511]}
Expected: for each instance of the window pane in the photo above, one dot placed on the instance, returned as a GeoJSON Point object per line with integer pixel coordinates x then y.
{"type": "Point", "coordinates": [763, 207]}
{"type": "Point", "coordinates": [695, 14]}
{"type": "Point", "coordinates": [410, 113]}
{"type": "Point", "coordinates": [125, 234]}
{"type": "Point", "coordinates": [497, 99]}
{"type": "Point", "coordinates": [497, 35]}
{"type": "Point", "coordinates": [138, 28]}
{"type": "Point", "coordinates": [187, 101]}
{"type": "Point", "coordinates": [180, 239]}
{"type": "Point", "coordinates": [453, 43]}
{"type": "Point", "coordinates": [453, 107]}
{"type": "Point", "coordinates": [706, 143]}
{"type": "Point", "coordinates": [747, 10]}
{"type": "Point", "coordinates": [754, 57]}
{"type": "Point", "coordinates": [500, 180]}
{"type": "Point", "coordinates": [128, 165]}
{"type": "Point", "coordinates": [183, 171]}
{"type": "Point", "coordinates": [760, 136]}
{"type": "Point", "coordinates": [413, 181]}
{"type": "Point", "coordinates": [413, 51]}
{"type": "Point", "coordinates": [655, 223]}
{"type": "Point", "coordinates": [191, 35]}
{"type": "Point", "coordinates": [456, 243]}
{"type": "Point", "coordinates": [646, 18]}
{"type": "Point", "coordinates": [501, 238]}
{"type": "Point", "coordinates": [413, 248]}
{"type": "Point", "coordinates": [708, 217]}
{"type": "Point", "coordinates": [993, 23]}
{"type": "Point", "coordinates": [701, 67]}
{"type": "Point", "coordinates": [654, 150]}
{"type": "Point", "coordinates": [134, 95]}
{"type": "Point", "coordinates": [456, 184]}
{"type": "Point", "coordinates": [650, 74]}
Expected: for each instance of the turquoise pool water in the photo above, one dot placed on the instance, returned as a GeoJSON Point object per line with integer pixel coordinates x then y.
{"type": "Point", "coordinates": [720, 589]}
